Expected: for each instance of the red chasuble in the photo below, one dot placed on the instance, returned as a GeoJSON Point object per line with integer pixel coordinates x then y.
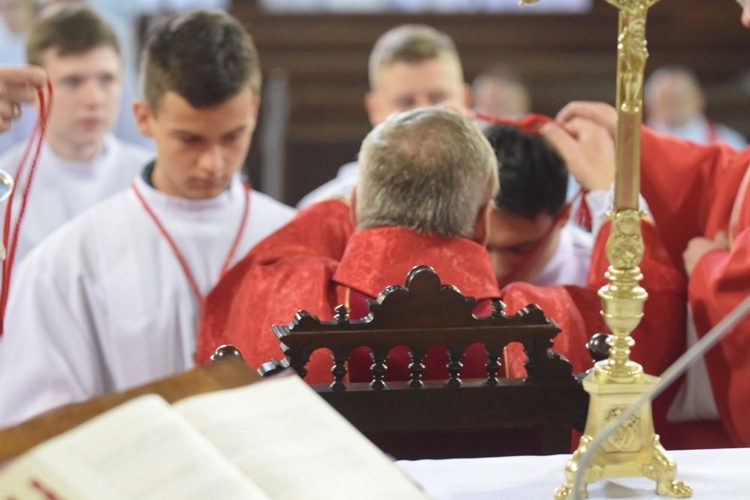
{"type": "Point", "coordinates": [694, 191]}
{"type": "Point", "coordinates": [298, 268]}
{"type": "Point", "coordinates": [312, 262]}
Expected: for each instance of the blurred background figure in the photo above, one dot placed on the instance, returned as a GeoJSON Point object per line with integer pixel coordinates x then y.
{"type": "Point", "coordinates": [500, 91]}
{"type": "Point", "coordinates": [675, 104]}
{"type": "Point", "coordinates": [411, 66]}
{"type": "Point", "coordinates": [24, 15]}
{"type": "Point", "coordinates": [15, 20]}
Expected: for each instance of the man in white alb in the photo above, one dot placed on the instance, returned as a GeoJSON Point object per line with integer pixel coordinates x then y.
{"type": "Point", "coordinates": [675, 104]}
{"type": "Point", "coordinates": [80, 163]}
{"type": "Point", "coordinates": [113, 299]}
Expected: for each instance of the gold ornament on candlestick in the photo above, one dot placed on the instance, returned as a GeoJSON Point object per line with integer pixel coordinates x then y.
{"type": "Point", "coordinates": [614, 384]}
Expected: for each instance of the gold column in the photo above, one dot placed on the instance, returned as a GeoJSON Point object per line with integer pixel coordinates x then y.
{"type": "Point", "coordinates": [614, 384]}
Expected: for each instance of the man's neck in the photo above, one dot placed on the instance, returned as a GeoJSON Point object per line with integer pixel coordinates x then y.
{"type": "Point", "coordinates": [75, 152]}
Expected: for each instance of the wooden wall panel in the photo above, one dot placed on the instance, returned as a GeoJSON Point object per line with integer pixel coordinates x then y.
{"type": "Point", "coordinates": [563, 57]}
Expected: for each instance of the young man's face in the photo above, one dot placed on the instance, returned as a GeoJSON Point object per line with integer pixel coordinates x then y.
{"type": "Point", "coordinates": [512, 239]}
{"type": "Point", "coordinates": [198, 150]}
{"type": "Point", "coordinates": [405, 85]}
{"type": "Point", "coordinates": [87, 90]}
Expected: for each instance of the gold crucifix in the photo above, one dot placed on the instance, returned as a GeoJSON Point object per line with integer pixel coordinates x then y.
{"type": "Point", "coordinates": [634, 450]}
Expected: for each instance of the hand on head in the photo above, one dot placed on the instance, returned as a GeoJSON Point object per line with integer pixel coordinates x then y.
{"type": "Point", "coordinates": [587, 148]}
{"type": "Point", "coordinates": [600, 113]}
{"type": "Point", "coordinates": [18, 85]}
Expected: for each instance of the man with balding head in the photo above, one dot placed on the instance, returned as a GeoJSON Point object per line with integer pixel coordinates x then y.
{"type": "Point", "coordinates": [425, 186]}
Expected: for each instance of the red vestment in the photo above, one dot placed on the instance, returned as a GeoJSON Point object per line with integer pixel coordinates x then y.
{"type": "Point", "coordinates": [279, 277]}
{"type": "Point", "coordinates": [310, 263]}
{"type": "Point", "coordinates": [696, 191]}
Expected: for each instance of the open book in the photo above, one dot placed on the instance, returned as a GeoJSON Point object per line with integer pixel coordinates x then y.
{"type": "Point", "coordinates": [272, 439]}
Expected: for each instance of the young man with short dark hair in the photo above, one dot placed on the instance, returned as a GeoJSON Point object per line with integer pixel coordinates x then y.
{"type": "Point", "coordinates": [113, 300]}
{"type": "Point", "coordinates": [531, 237]}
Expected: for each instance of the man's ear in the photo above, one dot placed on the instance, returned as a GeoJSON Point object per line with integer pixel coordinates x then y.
{"type": "Point", "coordinates": [482, 226]}
{"type": "Point", "coordinates": [373, 108]}
{"type": "Point", "coordinates": [143, 114]}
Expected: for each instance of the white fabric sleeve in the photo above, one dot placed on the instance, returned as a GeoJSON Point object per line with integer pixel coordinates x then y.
{"type": "Point", "coordinates": [39, 369]}
{"type": "Point", "coordinates": [601, 201]}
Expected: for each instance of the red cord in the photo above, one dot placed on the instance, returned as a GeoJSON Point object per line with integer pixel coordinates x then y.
{"type": "Point", "coordinates": [529, 124]}
{"type": "Point", "coordinates": [10, 239]}
{"type": "Point", "coordinates": [176, 250]}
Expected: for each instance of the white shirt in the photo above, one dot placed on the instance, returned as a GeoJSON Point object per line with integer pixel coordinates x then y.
{"type": "Point", "coordinates": [103, 305]}
{"type": "Point", "coordinates": [570, 263]}
{"type": "Point", "coordinates": [63, 189]}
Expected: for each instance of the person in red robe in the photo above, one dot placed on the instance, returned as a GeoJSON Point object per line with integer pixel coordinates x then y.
{"type": "Point", "coordinates": [405, 197]}
{"type": "Point", "coordinates": [427, 181]}
{"type": "Point", "coordinates": [698, 196]}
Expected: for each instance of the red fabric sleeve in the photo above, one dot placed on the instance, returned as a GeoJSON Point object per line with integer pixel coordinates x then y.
{"type": "Point", "coordinates": [320, 230]}
{"type": "Point", "coordinates": [718, 284]}
{"type": "Point", "coordinates": [240, 309]}
{"type": "Point", "coordinates": [689, 188]}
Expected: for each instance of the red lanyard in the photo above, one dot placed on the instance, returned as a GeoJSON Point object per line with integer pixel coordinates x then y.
{"type": "Point", "coordinates": [10, 239]}
{"type": "Point", "coordinates": [177, 253]}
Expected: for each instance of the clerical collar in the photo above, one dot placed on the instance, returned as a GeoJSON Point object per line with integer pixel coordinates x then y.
{"type": "Point", "coordinates": [148, 172]}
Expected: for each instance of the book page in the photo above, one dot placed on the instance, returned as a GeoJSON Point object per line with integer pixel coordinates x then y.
{"type": "Point", "coordinates": [293, 444]}
{"type": "Point", "coordinates": [140, 450]}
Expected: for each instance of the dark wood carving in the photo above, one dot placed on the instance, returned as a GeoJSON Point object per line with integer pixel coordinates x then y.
{"type": "Point", "coordinates": [420, 315]}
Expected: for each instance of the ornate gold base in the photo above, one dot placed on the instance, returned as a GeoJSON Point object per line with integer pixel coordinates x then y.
{"type": "Point", "coordinates": [633, 451]}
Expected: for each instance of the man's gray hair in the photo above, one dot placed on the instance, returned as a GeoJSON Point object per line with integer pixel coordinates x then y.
{"type": "Point", "coordinates": [429, 170]}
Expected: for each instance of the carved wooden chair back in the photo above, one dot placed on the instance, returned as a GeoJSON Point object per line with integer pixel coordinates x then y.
{"type": "Point", "coordinates": [419, 418]}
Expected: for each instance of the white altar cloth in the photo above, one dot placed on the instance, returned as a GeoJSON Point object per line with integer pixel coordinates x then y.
{"type": "Point", "coordinates": [714, 474]}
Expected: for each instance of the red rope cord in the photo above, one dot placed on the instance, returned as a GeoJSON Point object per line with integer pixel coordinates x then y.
{"type": "Point", "coordinates": [10, 238]}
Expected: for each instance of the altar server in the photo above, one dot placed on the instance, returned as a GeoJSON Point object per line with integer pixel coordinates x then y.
{"type": "Point", "coordinates": [113, 299]}
{"type": "Point", "coordinates": [80, 163]}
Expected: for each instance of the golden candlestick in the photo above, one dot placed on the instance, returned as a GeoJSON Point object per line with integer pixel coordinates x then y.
{"type": "Point", "coordinates": [614, 384]}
